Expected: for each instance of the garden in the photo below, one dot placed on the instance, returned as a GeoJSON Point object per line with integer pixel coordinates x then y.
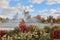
{"type": "Point", "coordinates": [31, 32]}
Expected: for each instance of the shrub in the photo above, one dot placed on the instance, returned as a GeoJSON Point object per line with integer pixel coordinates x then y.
{"type": "Point", "coordinates": [56, 34]}
{"type": "Point", "coordinates": [47, 29]}
{"type": "Point", "coordinates": [2, 32]}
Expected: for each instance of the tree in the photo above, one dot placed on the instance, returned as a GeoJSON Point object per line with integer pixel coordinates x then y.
{"type": "Point", "coordinates": [50, 19]}
{"type": "Point", "coordinates": [54, 20]}
{"type": "Point", "coordinates": [43, 20]}
{"type": "Point", "coordinates": [1, 18]}
{"type": "Point", "coordinates": [58, 20]}
{"type": "Point", "coordinates": [54, 28]}
{"type": "Point", "coordinates": [38, 17]}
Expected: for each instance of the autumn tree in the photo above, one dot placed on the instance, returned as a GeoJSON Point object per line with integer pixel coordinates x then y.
{"type": "Point", "coordinates": [38, 17]}
{"type": "Point", "coordinates": [43, 20]}
{"type": "Point", "coordinates": [50, 19]}
{"type": "Point", "coordinates": [1, 18]}
{"type": "Point", "coordinates": [58, 20]}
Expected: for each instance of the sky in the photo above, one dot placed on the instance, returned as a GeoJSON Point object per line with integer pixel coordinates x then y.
{"type": "Point", "coordinates": [9, 8]}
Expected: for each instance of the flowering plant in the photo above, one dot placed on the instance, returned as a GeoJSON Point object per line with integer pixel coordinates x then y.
{"type": "Point", "coordinates": [23, 26]}
{"type": "Point", "coordinates": [2, 33]}
{"type": "Point", "coordinates": [56, 34]}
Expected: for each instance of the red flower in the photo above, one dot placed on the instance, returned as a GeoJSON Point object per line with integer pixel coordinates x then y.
{"type": "Point", "coordinates": [56, 34]}
{"type": "Point", "coordinates": [2, 33]}
{"type": "Point", "coordinates": [23, 26]}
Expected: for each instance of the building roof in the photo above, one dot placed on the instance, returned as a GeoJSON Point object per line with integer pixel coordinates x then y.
{"type": "Point", "coordinates": [33, 20]}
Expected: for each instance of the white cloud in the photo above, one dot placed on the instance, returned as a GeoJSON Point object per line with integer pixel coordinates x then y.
{"type": "Point", "coordinates": [36, 1]}
{"type": "Point", "coordinates": [50, 11]}
{"type": "Point", "coordinates": [43, 11]}
{"type": "Point", "coordinates": [11, 10]}
{"type": "Point", "coordinates": [19, 9]}
{"type": "Point", "coordinates": [53, 11]}
{"type": "Point", "coordinates": [29, 8]}
{"type": "Point", "coordinates": [15, 0]}
{"type": "Point", "coordinates": [50, 2]}
{"type": "Point", "coordinates": [4, 3]}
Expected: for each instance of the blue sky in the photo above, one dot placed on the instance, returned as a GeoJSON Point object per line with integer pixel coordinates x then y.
{"type": "Point", "coordinates": [35, 6]}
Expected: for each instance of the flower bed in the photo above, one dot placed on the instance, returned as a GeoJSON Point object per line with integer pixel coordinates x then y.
{"type": "Point", "coordinates": [23, 32]}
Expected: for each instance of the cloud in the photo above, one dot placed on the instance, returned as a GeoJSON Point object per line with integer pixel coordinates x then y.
{"type": "Point", "coordinates": [4, 3]}
{"type": "Point", "coordinates": [17, 9]}
{"type": "Point", "coordinates": [50, 2]}
{"type": "Point", "coordinates": [54, 11]}
{"type": "Point", "coordinates": [49, 11]}
{"type": "Point", "coordinates": [11, 10]}
{"type": "Point", "coordinates": [29, 8]}
{"type": "Point", "coordinates": [36, 1]}
{"type": "Point", "coordinates": [43, 11]}
{"type": "Point", "coordinates": [14, 0]}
